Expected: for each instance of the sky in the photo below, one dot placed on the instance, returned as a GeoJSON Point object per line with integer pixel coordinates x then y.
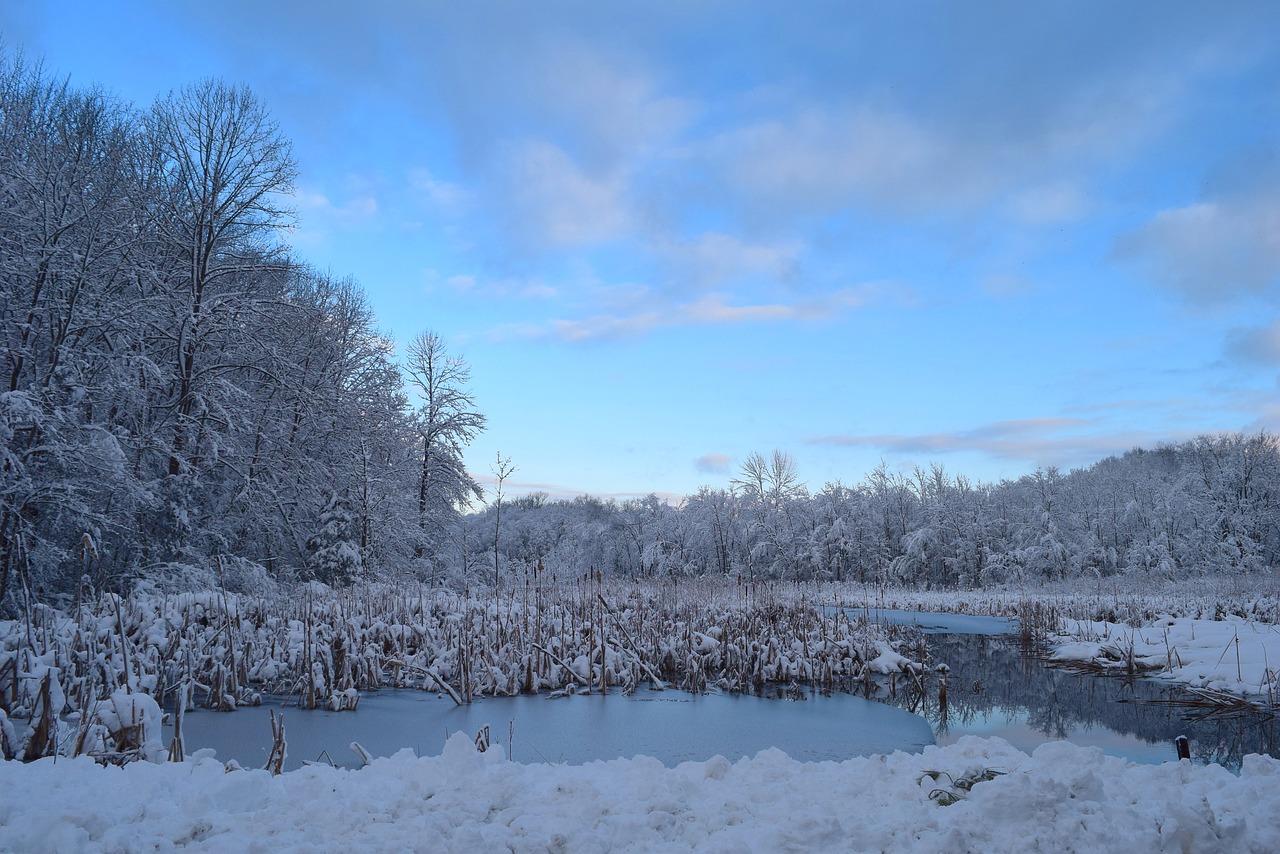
{"type": "Point", "coordinates": [994, 236]}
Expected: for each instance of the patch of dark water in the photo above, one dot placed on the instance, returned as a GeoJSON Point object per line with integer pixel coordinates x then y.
{"type": "Point", "coordinates": [997, 685]}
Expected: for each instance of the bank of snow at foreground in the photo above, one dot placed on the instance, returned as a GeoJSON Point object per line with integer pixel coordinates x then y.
{"type": "Point", "coordinates": [1059, 798]}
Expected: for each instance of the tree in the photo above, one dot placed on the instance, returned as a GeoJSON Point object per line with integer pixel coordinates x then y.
{"type": "Point", "coordinates": [333, 553]}
{"type": "Point", "coordinates": [226, 168]}
{"type": "Point", "coordinates": [772, 488]}
{"type": "Point", "coordinates": [67, 327]}
{"type": "Point", "coordinates": [502, 469]}
{"type": "Point", "coordinates": [447, 421]}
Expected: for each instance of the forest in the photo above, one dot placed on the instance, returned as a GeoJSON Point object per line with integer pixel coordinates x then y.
{"type": "Point", "coordinates": [1204, 507]}
{"type": "Point", "coordinates": [188, 404]}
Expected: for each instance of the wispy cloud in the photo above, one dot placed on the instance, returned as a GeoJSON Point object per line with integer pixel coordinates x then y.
{"type": "Point", "coordinates": [712, 463]}
{"type": "Point", "coordinates": [1210, 251]}
{"type": "Point", "coordinates": [319, 216]}
{"type": "Point", "coordinates": [1258, 345]}
{"type": "Point", "coordinates": [448, 198]}
{"type": "Point", "coordinates": [710, 310]}
{"type": "Point", "coordinates": [559, 492]}
{"type": "Point", "coordinates": [1003, 285]}
{"type": "Point", "coordinates": [534, 290]}
{"type": "Point", "coordinates": [552, 202]}
{"type": "Point", "coordinates": [316, 207]}
{"type": "Point", "coordinates": [1049, 204]}
{"type": "Point", "coordinates": [1133, 405]}
{"type": "Point", "coordinates": [876, 155]}
{"type": "Point", "coordinates": [713, 258]}
{"type": "Point", "coordinates": [1037, 441]}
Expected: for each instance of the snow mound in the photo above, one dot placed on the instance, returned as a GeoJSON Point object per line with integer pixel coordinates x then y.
{"type": "Point", "coordinates": [1059, 798]}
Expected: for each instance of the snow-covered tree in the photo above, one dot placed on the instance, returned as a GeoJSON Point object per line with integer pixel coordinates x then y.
{"type": "Point", "coordinates": [333, 552]}
{"type": "Point", "coordinates": [447, 420]}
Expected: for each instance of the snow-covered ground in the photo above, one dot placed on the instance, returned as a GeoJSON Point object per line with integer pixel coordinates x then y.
{"type": "Point", "coordinates": [1060, 798]}
{"type": "Point", "coordinates": [1231, 655]}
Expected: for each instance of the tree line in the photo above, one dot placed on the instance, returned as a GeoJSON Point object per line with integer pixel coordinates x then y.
{"type": "Point", "coordinates": [1208, 506]}
{"type": "Point", "coordinates": [181, 397]}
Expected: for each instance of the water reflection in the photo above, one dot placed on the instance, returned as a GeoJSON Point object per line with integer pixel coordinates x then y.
{"type": "Point", "coordinates": [997, 686]}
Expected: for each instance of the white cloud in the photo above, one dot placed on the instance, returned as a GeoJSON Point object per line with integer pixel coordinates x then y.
{"type": "Point", "coordinates": [714, 258]}
{"type": "Point", "coordinates": [1004, 285]}
{"type": "Point", "coordinates": [608, 106]}
{"type": "Point", "coordinates": [712, 463]}
{"type": "Point", "coordinates": [481, 287]}
{"type": "Point", "coordinates": [450, 199]}
{"type": "Point", "coordinates": [315, 207]}
{"type": "Point", "coordinates": [551, 201]}
{"type": "Point", "coordinates": [823, 157]}
{"type": "Point", "coordinates": [882, 154]}
{"type": "Point", "coordinates": [319, 216]}
{"type": "Point", "coordinates": [709, 310]}
{"type": "Point", "coordinates": [1063, 442]}
{"type": "Point", "coordinates": [1226, 244]}
{"type": "Point", "coordinates": [1212, 250]}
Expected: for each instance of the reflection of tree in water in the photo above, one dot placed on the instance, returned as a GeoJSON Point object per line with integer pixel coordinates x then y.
{"type": "Point", "coordinates": [997, 675]}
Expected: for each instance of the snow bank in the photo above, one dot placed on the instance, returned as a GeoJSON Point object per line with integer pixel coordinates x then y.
{"type": "Point", "coordinates": [1231, 655]}
{"type": "Point", "coordinates": [1059, 798]}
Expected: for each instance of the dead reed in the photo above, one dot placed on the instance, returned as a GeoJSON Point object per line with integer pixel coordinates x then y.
{"type": "Point", "coordinates": [322, 648]}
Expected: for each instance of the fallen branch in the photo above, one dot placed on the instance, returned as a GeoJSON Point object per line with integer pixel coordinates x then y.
{"type": "Point", "coordinates": [444, 686]}
{"type": "Point", "coordinates": [558, 660]}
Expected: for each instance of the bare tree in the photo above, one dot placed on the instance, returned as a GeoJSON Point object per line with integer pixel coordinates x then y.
{"type": "Point", "coordinates": [446, 421]}
{"type": "Point", "coordinates": [772, 481]}
{"type": "Point", "coordinates": [225, 170]}
{"type": "Point", "coordinates": [772, 489]}
{"type": "Point", "coordinates": [502, 469]}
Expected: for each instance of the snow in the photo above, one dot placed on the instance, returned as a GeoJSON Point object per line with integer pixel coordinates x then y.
{"type": "Point", "coordinates": [887, 660]}
{"type": "Point", "coordinates": [1231, 655]}
{"type": "Point", "coordinates": [1059, 798]}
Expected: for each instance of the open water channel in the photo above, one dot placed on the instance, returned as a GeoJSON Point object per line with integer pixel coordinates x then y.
{"type": "Point", "coordinates": [996, 687]}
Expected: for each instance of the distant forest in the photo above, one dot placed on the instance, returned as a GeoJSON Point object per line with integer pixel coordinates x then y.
{"type": "Point", "coordinates": [1210, 506]}
{"type": "Point", "coordinates": [185, 402]}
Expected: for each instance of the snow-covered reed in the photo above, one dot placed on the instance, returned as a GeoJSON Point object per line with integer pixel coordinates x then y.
{"type": "Point", "coordinates": [1219, 637]}
{"type": "Point", "coordinates": [322, 647]}
{"type": "Point", "coordinates": [1136, 601]}
{"type": "Point", "coordinates": [1226, 662]}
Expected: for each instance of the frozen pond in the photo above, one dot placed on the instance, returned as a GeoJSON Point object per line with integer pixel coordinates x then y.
{"type": "Point", "coordinates": [996, 687]}
{"type": "Point", "coordinates": [671, 726]}
{"type": "Point", "coordinates": [934, 623]}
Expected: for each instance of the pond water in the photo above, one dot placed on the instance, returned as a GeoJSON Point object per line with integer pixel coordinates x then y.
{"type": "Point", "coordinates": [996, 687]}
{"type": "Point", "coordinates": [937, 623]}
{"type": "Point", "coordinates": [672, 726]}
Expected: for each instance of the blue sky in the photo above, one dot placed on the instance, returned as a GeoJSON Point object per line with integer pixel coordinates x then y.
{"type": "Point", "coordinates": [989, 235]}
